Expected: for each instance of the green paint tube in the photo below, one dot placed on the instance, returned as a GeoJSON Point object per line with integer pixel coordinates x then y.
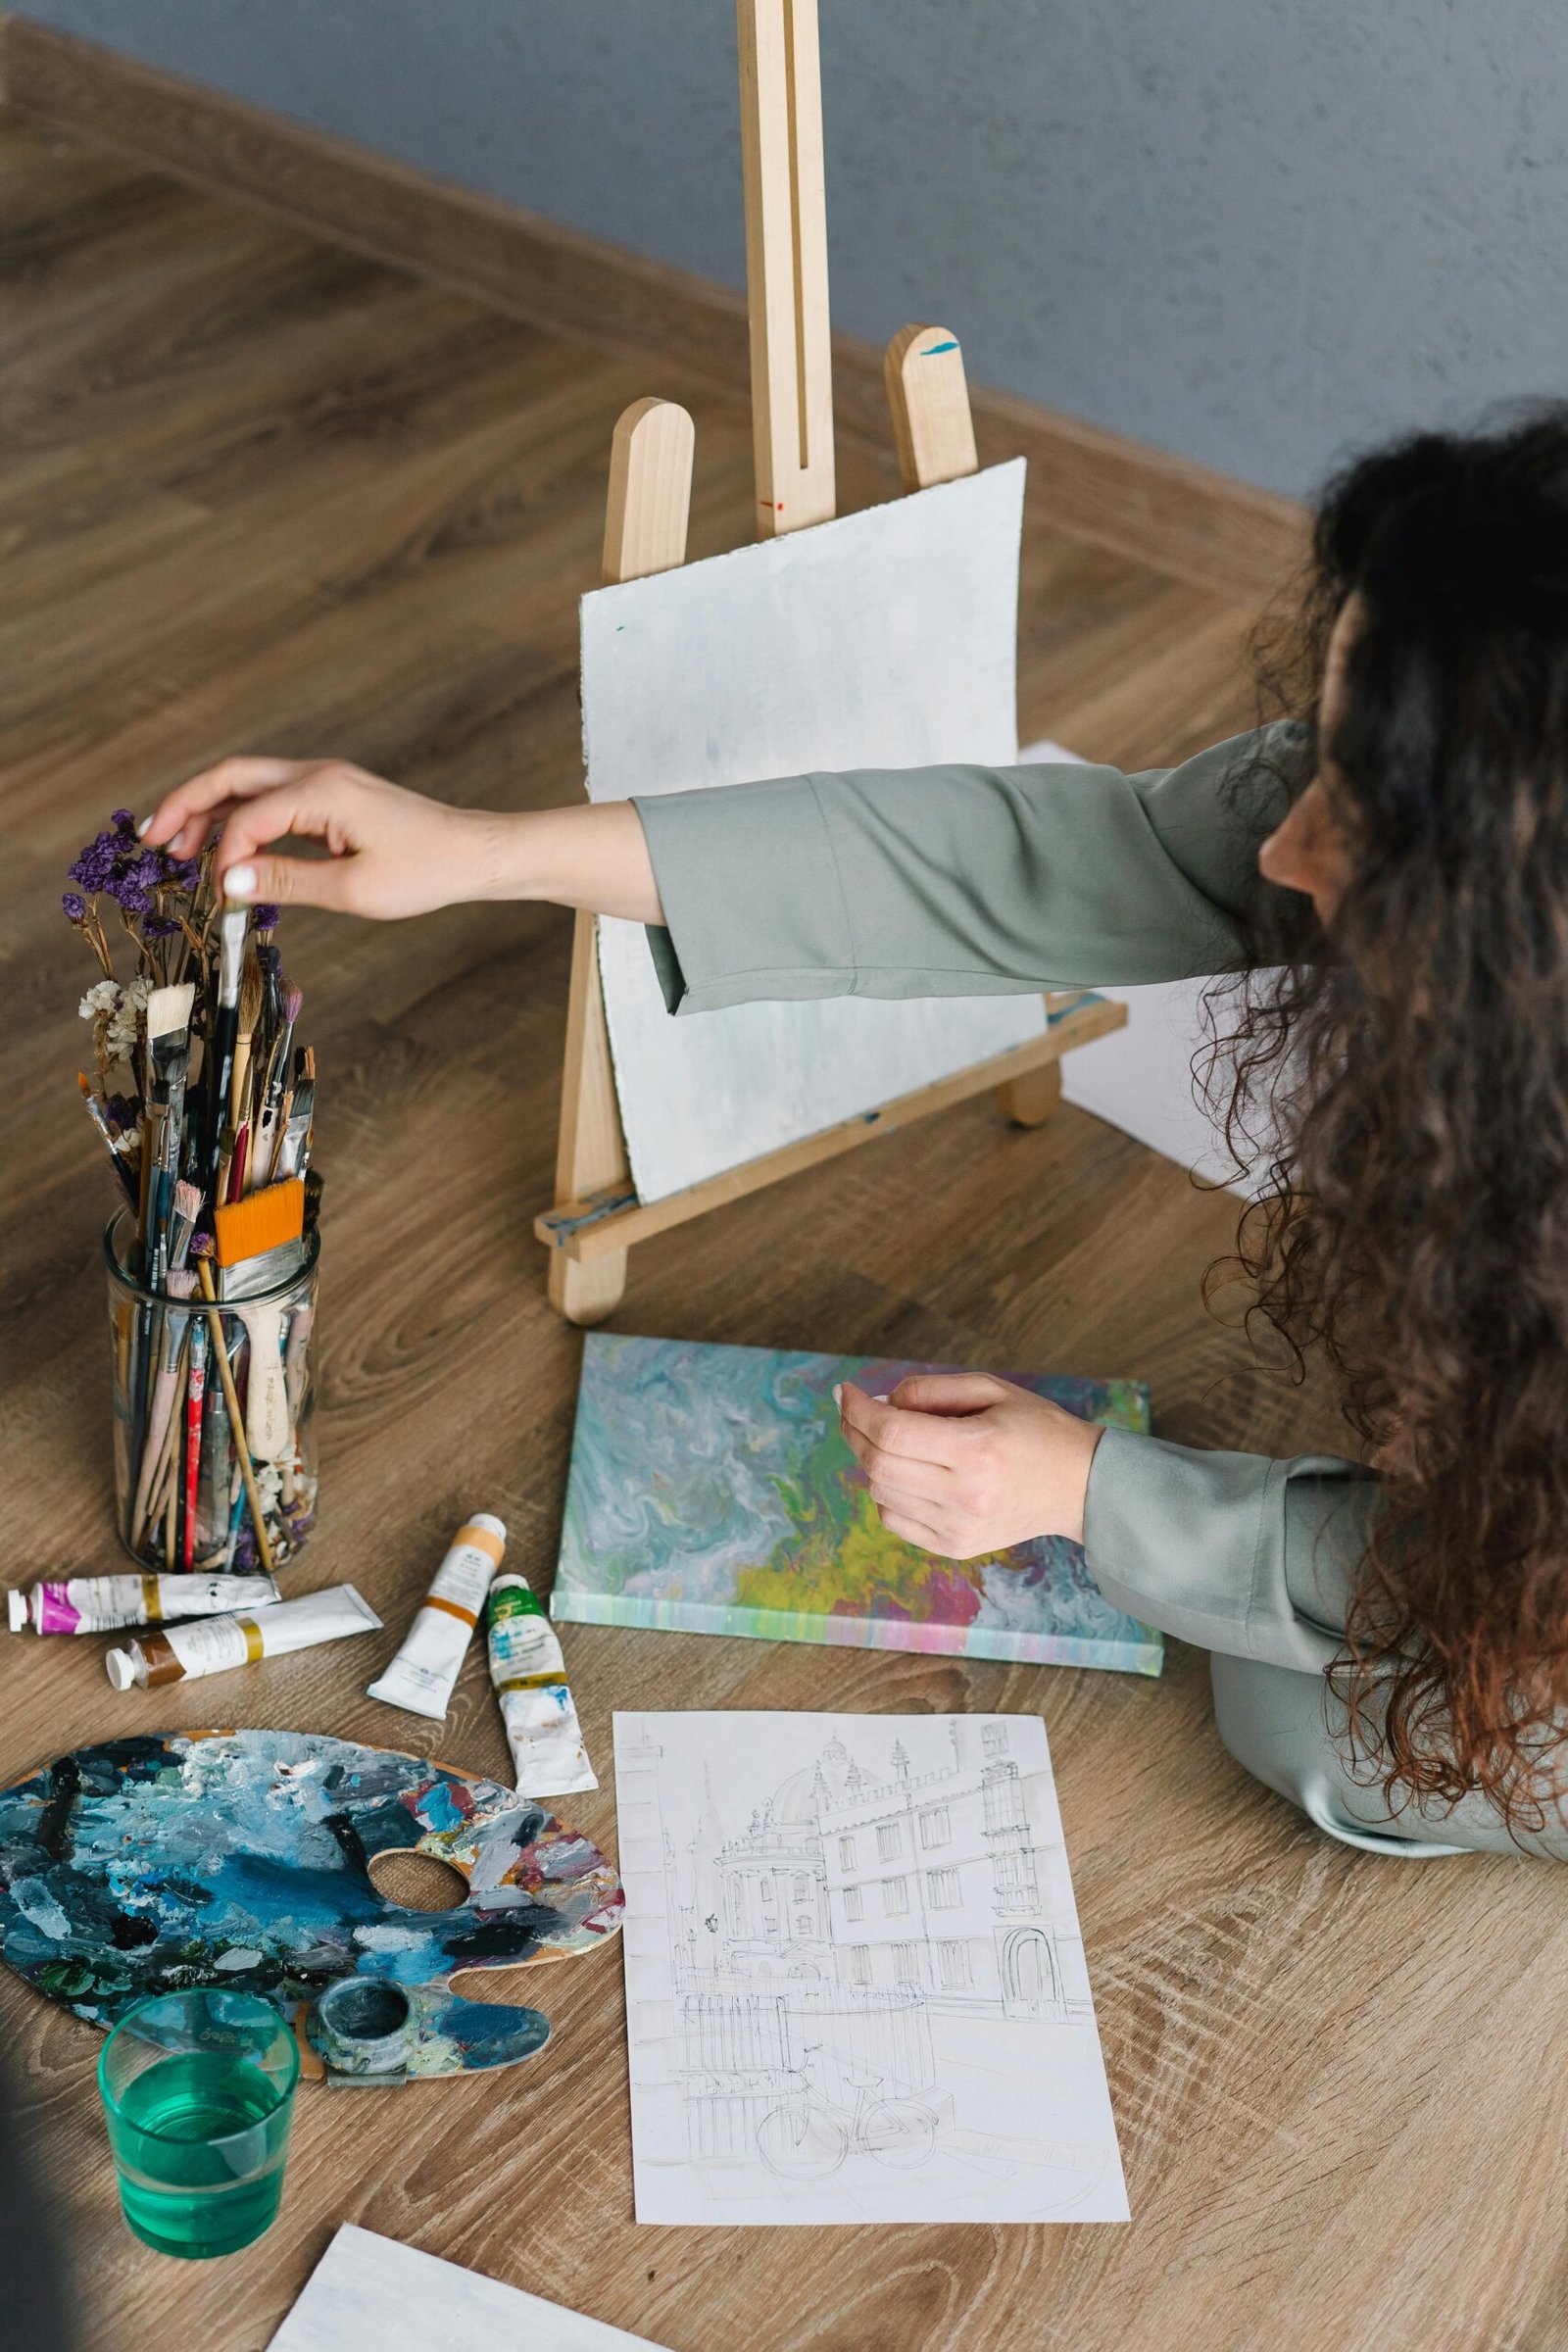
{"type": "Point", "coordinates": [527, 1668]}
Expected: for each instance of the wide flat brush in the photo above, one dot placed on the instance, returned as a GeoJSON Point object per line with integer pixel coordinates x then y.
{"type": "Point", "coordinates": [260, 1241]}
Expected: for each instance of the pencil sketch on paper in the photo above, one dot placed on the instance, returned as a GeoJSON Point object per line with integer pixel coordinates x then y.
{"type": "Point", "coordinates": [885, 639]}
{"type": "Point", "coordinates": [855, 1987]}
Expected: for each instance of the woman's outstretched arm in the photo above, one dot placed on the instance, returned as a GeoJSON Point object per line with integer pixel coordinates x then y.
{"type": "Point", "coordinates": [914, 882]}
{"type": "Point", "coordinates": [393, 853]}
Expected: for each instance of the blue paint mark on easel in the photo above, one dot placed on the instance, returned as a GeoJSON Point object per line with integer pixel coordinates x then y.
{"type": "Point", "coordinates": [934, 351]}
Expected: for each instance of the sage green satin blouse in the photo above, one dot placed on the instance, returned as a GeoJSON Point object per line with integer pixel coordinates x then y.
{"type": "Point", "coordinates": [969, 881]}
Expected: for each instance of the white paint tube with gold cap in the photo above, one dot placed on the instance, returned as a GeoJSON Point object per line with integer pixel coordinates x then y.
{"type": "Point", "coordinates": [214, 1644]}
{"type": "Point", "coordinates": [421, 1677]}
{"type": "Point", "coordinates": [529, 1674]}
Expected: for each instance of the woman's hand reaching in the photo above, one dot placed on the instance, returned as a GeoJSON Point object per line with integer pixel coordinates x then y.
{"type": "Point", "coordinates": [392, 853]}
{"type": "Point", "coordinates": [963, 1464]}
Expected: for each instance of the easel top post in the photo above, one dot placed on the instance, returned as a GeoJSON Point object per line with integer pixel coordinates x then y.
{"type": "Point", "coordinates": [786, 262]}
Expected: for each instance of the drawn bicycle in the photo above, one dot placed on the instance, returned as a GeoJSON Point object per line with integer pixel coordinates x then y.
{"type": "Point", "coordinates": [811, 2134]}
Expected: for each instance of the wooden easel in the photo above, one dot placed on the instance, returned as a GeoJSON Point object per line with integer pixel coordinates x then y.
{"type": "Point", "coordinates": [597, 1217]}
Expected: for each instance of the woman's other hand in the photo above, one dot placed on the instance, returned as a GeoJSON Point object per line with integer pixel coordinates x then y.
{"type": "Point", "coordinates": [965, 1464]}
{"type": "Point", "coordinates": [388, 852]}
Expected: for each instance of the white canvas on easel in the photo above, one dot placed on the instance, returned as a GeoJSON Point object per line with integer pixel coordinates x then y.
{"type": "Point", "coordinates": [882, 640]}
{"type": "Point", "coordinates": [886, 639]}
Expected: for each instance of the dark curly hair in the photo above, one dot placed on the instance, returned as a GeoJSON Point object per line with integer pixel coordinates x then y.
{"type": "Point", "coordinates": [1413, 1065]}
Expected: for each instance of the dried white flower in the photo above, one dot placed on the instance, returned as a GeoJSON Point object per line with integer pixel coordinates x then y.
{"type": "Point", "coordinates": [124, 1024]}
{"type": "Point", "coordinates": [102, 997]}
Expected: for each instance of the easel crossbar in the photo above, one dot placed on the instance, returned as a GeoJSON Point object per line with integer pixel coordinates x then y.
{"type": "Point", "coordinates": [586, 1229]}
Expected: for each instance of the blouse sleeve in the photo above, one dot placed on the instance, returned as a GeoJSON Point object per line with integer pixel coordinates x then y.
{"type": "Point", "coordinates": [1230, 1550]}
{"type": "Point", "coordinates": [963, 881]}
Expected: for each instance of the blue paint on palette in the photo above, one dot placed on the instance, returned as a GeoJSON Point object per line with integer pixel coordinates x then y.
{"type": "Point", "coordinates": [241, 1858]}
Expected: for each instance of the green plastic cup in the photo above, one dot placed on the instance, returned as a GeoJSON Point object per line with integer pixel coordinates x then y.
{"type": "Point", "coordinates": [198, 2088]}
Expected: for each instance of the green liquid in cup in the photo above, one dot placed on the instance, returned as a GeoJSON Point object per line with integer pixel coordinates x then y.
{"type": "Point", "coordinates": [200, 2132]}
{"type": "Point", "coordinates": [178, 2188]}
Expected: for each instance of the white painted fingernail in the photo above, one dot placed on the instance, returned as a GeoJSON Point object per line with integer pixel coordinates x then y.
{"type": "Point", "coordinates": [240, 882]}
{"type": "Point", "coordinates": [838, 1394]}
{"type": "Point", "coordinates": [144, 828]}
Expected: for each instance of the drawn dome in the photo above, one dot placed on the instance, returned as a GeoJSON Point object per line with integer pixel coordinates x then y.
{"type": "Point", "coordinates": [801, 1798]}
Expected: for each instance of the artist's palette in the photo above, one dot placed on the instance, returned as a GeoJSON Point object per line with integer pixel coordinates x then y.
{"type": "Point", "coordinates": [241, 1859]}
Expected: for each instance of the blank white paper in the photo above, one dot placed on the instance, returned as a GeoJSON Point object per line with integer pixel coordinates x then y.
{"type": "Point", "coordinates": [371, 2294]}
{"type": "Point", "coordinates": [885, 639]}
{"type": "Point", "coordinates": [855, 1987]}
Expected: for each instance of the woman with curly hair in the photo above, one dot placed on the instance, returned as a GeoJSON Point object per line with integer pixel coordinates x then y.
{"type": "Point", "coordinates": [1385, 880]}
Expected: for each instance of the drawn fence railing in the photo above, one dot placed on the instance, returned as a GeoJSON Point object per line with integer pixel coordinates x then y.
{"type": "Point", "coordinates": [742, 2051]}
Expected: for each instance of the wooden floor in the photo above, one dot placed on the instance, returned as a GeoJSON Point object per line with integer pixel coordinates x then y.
{"type": "Point", "coordinates": [257, 493]}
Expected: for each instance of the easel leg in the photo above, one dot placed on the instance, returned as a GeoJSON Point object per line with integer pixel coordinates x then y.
{"type": "Point", "coordinates": [1030, 1101]}
{"type": "Point", "coordinates": [593, 1149]}
{"type": "Point", "coordinates": [587, 1292]}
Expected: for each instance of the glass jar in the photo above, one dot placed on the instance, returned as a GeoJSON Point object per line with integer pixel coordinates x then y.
{"type": "Point", "coordinates": [200, 1459]}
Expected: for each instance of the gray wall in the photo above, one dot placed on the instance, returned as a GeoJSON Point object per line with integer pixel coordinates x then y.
{"type": "Point", "coordinates": [1252, 231]}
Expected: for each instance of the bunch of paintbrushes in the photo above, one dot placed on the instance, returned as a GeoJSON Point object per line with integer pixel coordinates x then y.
{"type": "Point", "coordinates": [205, 1104]}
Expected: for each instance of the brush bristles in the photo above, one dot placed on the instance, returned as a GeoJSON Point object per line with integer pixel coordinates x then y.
{"type": "Point", "coordinates": [293, 1003]}
{"type": "Point", "coordinates": [168, 1009]}
{"type": "Point", "coordinates": [263, 1220]}
{"type": "Point", "coordinates": [250, 999]}
{"type": "Point", "coordinates": [181, 1283]}
{"type": "Point", "coordinates": [187, 1201]}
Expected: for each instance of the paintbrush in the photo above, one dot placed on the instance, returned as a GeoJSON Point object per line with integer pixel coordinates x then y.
{"type": "Point", "coordinates": [195, 1397]}
{"type": "Point", "coordinates": [217, 1475]}
{"type": "Point", "coordinates": [231, 1180]}
{"type": "Point", "coordinates": [161, 1405]}
{"type": "Point", "coordinates": [167, 1040]}
{"type": "Point", "coordinates": [120, 1148]}
{"type": "Point", "coordinates": [270, 1123]}
{"type": "Point", "coordinates": [186, 1208]}
{"type": "Point", "coordinates": [294, 1145]}
{"type": "Point", "coordinates": [225, 1029]}
{"type": "Point", "coordinates": [236, 1419]}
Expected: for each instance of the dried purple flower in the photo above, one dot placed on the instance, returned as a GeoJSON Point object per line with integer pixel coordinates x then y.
{"type": "Point", "coordinates": [132, 897]}
{"type": "Point", "coordinates": [266, 918]}
{"type": "Point", "coordinates": [158, 926]}
{"type": "Point", "coordinates": [75, 906]}
{"type": "Point", "coordinates": [95, 867]}
{"type": "Point", "coordinates": [186, 871]}
{"type": "Point", "coordinates": [123, 821]}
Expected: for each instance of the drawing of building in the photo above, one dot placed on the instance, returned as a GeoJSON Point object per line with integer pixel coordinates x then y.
{"type": "Point", "coordinates": [941, 1884]}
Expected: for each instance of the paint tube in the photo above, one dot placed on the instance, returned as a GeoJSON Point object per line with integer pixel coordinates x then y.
{"type": "Point", "coordinates": [421, 1677]}
{"type": "Point", "coordinates": [96, 1604]}
{"type": "Point", "coordinates": [548, 1757]}
{"type": "Point", "coordinates": [214, 1645]}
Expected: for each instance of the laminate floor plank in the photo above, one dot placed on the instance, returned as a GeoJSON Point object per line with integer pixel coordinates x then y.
{"type": "Point", "coordinates": [258, 494]}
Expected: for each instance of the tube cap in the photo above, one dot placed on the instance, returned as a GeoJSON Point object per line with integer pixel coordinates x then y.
{"type": "Point", "coordinates": [487, 1519]}
{"type": "Point", "coordinates": [16, 1607]}
{"type": "Point", "coordinates": [122, 1673]}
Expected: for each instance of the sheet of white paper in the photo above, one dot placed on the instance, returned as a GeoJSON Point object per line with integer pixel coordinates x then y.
{"type": "Point", "coordinates": [855, 1987]}
{"type": "Point", "coordinates": [371, 2294]}
{"type": "Point", "coordinates": [886, 639]}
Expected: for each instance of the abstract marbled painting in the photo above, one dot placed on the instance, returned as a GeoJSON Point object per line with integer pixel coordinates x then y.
{"type": "Point", "coordinates": [713, 1493]}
